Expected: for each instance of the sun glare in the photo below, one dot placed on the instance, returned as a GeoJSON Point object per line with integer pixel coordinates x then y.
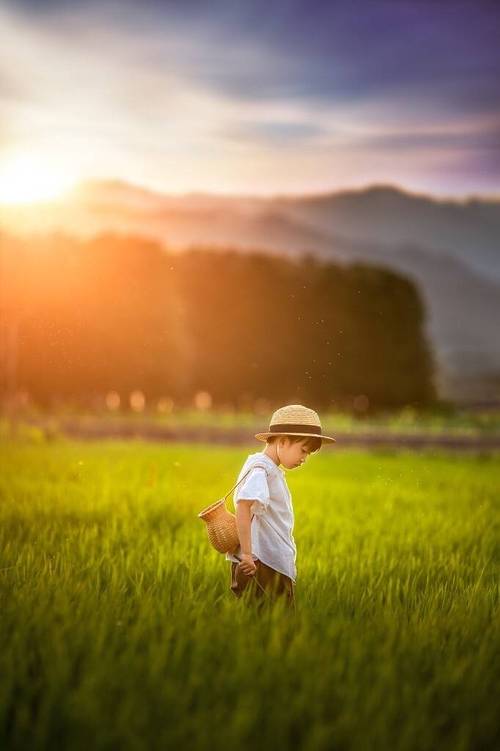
{"type": "Point", "coordinates": [30, 179]}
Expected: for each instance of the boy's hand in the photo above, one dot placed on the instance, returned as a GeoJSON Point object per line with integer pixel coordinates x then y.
{"type": "Point", "coordinates": [247, 564]}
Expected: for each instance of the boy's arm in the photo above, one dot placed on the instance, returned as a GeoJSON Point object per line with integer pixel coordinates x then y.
{"type": "Point", "coordinates": [243, 524]}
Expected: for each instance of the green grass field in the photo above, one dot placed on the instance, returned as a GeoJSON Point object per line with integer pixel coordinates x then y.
{"type": "Point", "coordinates": [119, 631]}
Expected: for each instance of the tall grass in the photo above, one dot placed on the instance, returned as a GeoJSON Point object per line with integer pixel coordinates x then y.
{"type": "Point", "coordinates": [119, 631]}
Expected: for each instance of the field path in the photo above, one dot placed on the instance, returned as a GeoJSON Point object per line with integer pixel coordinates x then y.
{"type": "Point", "coordinates": [95, 428]}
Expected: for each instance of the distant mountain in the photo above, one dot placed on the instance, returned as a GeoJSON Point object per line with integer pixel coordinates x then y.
{"type": "Point", "coordinates": [450, 248]}
{"type": "Point", "coordinates": [468, 230]}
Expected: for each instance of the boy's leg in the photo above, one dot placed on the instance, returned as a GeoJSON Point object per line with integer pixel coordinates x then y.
{"type": "Point", "coordinates": [276, 584]}
{"type": "Point", "coordinates": [267, 584]}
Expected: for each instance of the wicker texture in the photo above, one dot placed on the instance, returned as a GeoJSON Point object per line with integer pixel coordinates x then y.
{"type": "Point", "coordinates": [221, 527]}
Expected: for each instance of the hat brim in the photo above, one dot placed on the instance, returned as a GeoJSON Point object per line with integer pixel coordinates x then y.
{"type": "Point", "coordinates": [326, 438]}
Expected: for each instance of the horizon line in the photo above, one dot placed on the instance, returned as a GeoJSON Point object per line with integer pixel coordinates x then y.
{"type": "Point", "coordinates": [154, 191]}
{"type": "Point", "coordinates": [327, 192]}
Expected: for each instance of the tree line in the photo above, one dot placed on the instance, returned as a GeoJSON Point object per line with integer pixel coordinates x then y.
{"type": "Point", "coordinates": [121, 313]}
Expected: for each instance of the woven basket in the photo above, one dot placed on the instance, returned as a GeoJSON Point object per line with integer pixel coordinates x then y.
{"type": "Point", "coordinates": [221, 523]}
{"type": "Point", "coordinates": [221, 527]}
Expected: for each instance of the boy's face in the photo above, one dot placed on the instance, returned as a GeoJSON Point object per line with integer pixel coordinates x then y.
{"type": "Point", "coordinates": [292, 454]}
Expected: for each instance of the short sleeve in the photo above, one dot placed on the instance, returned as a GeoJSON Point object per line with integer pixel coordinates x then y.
{"type": "Point", "coordinates": [254, 487]}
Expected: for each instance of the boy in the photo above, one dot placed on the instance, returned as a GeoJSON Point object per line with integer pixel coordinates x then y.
{"type": "Point", "coordinates": [265, 558]}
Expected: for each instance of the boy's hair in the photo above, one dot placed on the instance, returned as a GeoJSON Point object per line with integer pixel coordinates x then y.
{"type": "Point", "coordinates": [313, 444]}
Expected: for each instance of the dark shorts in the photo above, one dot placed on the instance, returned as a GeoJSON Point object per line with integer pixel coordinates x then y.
{"type": "Point", "coordinates": [266, 584]}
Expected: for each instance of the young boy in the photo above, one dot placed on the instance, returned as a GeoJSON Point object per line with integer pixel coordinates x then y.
{"type": "Point", "coordinates": [265, 558]}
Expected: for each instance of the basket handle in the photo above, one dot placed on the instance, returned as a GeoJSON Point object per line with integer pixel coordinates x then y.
{"type": "Point", "coordinates": [261, 466]}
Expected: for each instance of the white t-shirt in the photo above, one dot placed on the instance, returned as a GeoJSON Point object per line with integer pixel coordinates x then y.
{"type": "Point", "coordinates": [273, 520]}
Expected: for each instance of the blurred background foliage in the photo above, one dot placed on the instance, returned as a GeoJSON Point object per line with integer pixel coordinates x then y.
{"type": "Point", "coordinates": [122, 313]}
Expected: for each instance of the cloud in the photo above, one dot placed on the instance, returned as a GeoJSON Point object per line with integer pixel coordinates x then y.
{"type": "Point", "coordinates": [198, 94]}
{"type": "Point", "coordinates": [480, 136]}
{"type": "Point", "coordinates": [278, 134]}
{"type": "Point", "coordinates": [316, 51]}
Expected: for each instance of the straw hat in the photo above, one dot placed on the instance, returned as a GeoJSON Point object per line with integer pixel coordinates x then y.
{"type": "Point", "coordinates": [295, 419]}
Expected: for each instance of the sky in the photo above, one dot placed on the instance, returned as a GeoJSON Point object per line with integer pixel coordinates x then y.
{"type": "Point", "coordinates": [258, 97]}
